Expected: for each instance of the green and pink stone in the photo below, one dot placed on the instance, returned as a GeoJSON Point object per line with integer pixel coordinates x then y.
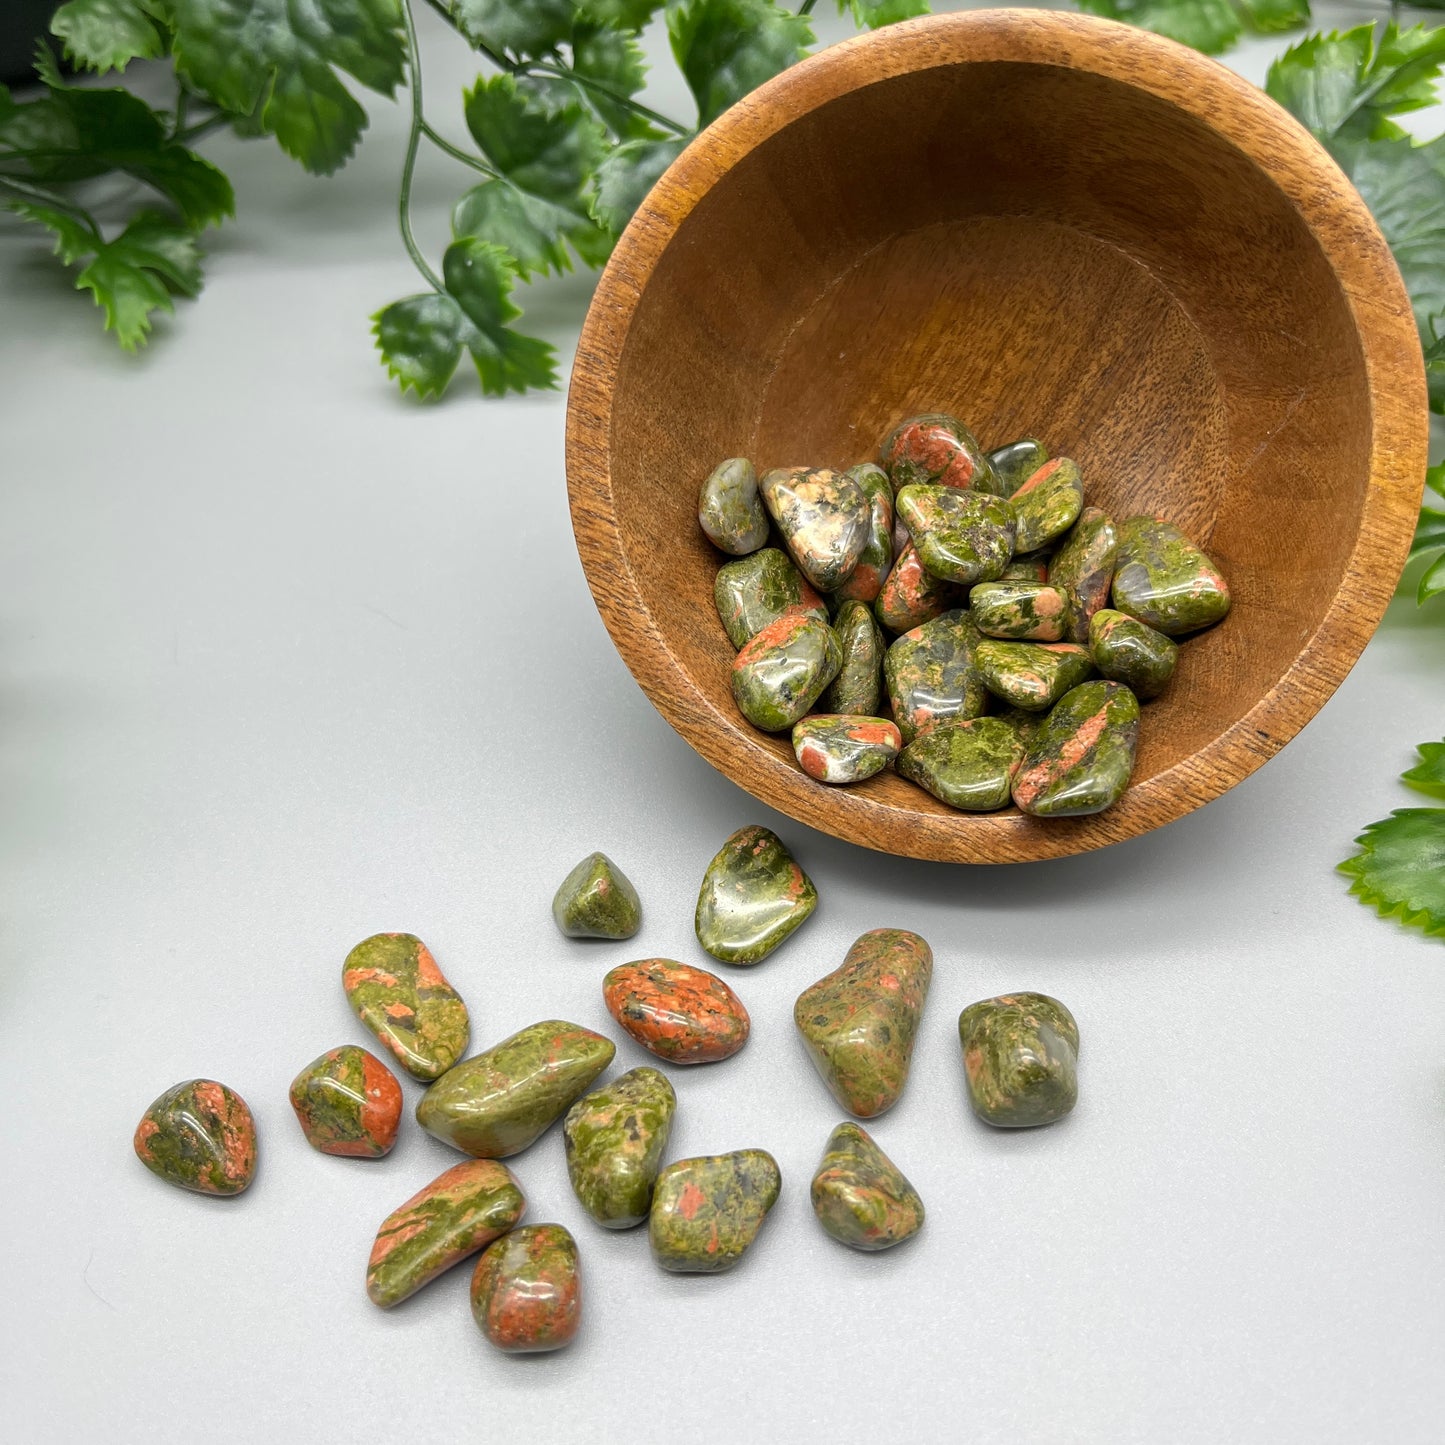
{"type": "Point", "coordinates": [1081, 756]}
{"type": "Point", "coordinates": [844, 749]}
{"type": "Point", "coordinates": [755, 591]}
{"type": "Point", "coordinates": [396, 989]}
{"type": "Point", "coordinates": [1083, 569]}
{"type": "Point", "coordinates": [936, 448]}
{"type": "Point", "coordinates": [876, 557]}
{"type": "Point", "coordinates": [348, 1103]}
{"type": "Point", "coordinates": [527, 1290]}
{"type": "Point", "coordinates": [1047, 504]}
{"type": "Point", "coordinates": [730, 510]}
{"type": "Point", "coordinates": [859, 1194]}
{"type": "Point", "coordinates": [1163, 580]}
{"type": "Point", "coordinates": [199, 1135]}
{"type": "Point", "coordinates": [823, 516]}
{"type": "Point", "coordinates": [781, 672]}
{"type": "Point", "coordinates": [707, 1211]}
{"type": "Point", "coordinates": [615, 1138]}
{"type": "Point", "coordinates": [932, 674]}
{"type": "Point", "coordinates": [1020, 1057]}
{"type": "Point", "coordinates": [858, 687]}
{"type": "Point", "coordinates": [961, 536]}
{"type": "Point", "coordinates": [911, 595]}
{"type": "Point", "coordinates": [596, 900]}
{"type": "Point", "coordinates": [1015, 463]}
{"type": "Point", "coordinates": [1031, 675]}
{"type": "Point", "coordinates": [1128, 651]}
{"type": "Point", "coordinates": [1020, 610]}
{"type": "Point", "coordinates": [682, 1014]}
{"type": "Point", "coordinates": [967, 764]}
{"type": "Point", "coordinates": [753, 897]}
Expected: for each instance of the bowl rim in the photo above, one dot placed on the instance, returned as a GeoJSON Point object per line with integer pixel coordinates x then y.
{"type": "Point", "coordinates": [1341, 225]}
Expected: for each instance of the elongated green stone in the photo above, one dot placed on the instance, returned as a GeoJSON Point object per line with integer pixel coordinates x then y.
{"type": "Point", "coordinates": [615, 1138]}
{"type": "Point", "coordinates": [962, 536]}
{"type": "Point", "coordinates": [824, 518]}
{"type": "Point", "coordinates": [877, 554]}
{"type": "Point", "coordinates": [1081, 756]}
{"type": "Point", "coordinates": [707, 1211]}
{"type": "Point", "coordinates": [1020, 1055]}
{"type": "Point", "coordinates": [457, 1214]}
{"type": "Point", "coordinates": [1047, 504]}
{"type": "Point", "coordinates": [911, 595]}
{"type": "Point", "coordinates": [859, 1022]}
{"type": "Point", "coordinates": [1083, 569]}
{"type": "Point", "coordinates": [968, 764]}
{"type": "Point", "coordinates": [730, 510]}
{"type": "Point", "coordinates": [1023, 611]}
{"type": "Point", "coordinates": [753, 897]}
{"type": "Point", "coordinates": [858, 688]}
{"type": "Point", "coordinates": [527, 1290]}
{"type": "Point", "coordinates": [1015, 463]}
{"type": "Point", "coordinates": [860, 1195]}
{"type": "Point", "coordinates": [1128, 651]}
{"type": "Point", "coordinates": [596, 900]}
{"type": "Point", "coordinates": [496, 1103]}
{"type": "Point", "coordinates": [754, 591]}
{"type": "Point", "coordinates": [348, 1103]}
{"type": "Point", "coordinates": [1033, 675]}
{"type": "Point", "coordinates": [199, 1135]}
{"type": "Point", "coordinates": [932, 674]}
{"type": "Point", "coordinates": [837, 748]}
{"type": "Point", "coordinates": [394, 985]}
{"type": "Point", "coordinates": [781, 672]}
{"type": "Point", "coordinates": [937, 448]}
{"type": "Point", "coordinates": [1164, 580]}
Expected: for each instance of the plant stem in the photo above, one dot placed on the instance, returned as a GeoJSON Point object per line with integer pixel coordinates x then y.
{"type": "Point", "coordinates": [41, 196]}
{"type": "Point", "coordinates": [500, 61]}
{"type": "Point", "coordinates": [413, 144]}
{"type": "Point", "coordinates": [201, 128]}
{"type": "Point", "coordinates": [455, 152]}
{"type": "Point", "coordinates": [806, 8]}
{"type": "Point", "coordinates": [183, 100]}
{"type": "Point", "coordinates": [565, 72]}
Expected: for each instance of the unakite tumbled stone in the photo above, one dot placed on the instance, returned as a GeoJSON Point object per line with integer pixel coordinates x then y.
{"type": "Point", "coordinates": [781, 672]}
{"type": "Point", "coordinates": [1080, 757]}
{"type": "Point", "coordinates": [1020, 1053]}
{"type": "Point", "coordinates": [396, 989]}
{"type": "Point", "coordinates": [859, 1021]}
{"type": "Point", "coordinates": [497, 1102]}
{"type": "Point", "coordinates": [1128, 651]}
{"type": "Point", "coordinates": [527, 1290]}
{"type": "Point", "coordinates": [1047, 504]}
{"type": "Point", "coordinates": [911, 595]}
{"type": "Point", "coordinates": [877, 555]}
{"type": "Point", "coordinates": [966, 764]}
{"type": "Point", "coordinates": [1015, 463]}
{"type": "Point", "coordinates": [1083, 568]}
{"type": "Point", "coordinates": [1025, 611]}
{"type": "Point", "coordinates": [457, 1214]}
{"type": "Point", "coordinates": [707, 1211]}
{"type": "Point", "coordinates": [932, 674]}
{"type": "Point", "coordinates": [753, 896]}
{"type": "Point", "coordinates": [963, 537]}
{"type": "Point", "coordinates": [1032, 675]}
{"type": "Point", "coordinates": [936, 448]}
{"type": "Point", "coordinates": [349, 1103]}
{"type": "Point", "coordinates": [595, 900]}
{"type": "Point", "coordinates": [1034, 568]}
{"type": "Point", "coordinates": [199, 1135]}
{"type": "Point", "coordinates": [754, 591]}
{"type": "Point", "coordinates": [824, 518]}
{"type": "Point", "coordinates": [615, 1139]}
{"type": "Point", "coordinates": [839, 748]}
{"type": "Point", "coordinates": [682, 1014]}
{"type": "Point", "coordinates": [1163, 580]}
{"type": "Point", "coordinates": [730, 509]}
{"type": "Point", "coordinates": [858, 687]}
{"type": "Point", "coordinates": [1021, 720]}
{"type": "Point", "coordinates": [860, 1195]}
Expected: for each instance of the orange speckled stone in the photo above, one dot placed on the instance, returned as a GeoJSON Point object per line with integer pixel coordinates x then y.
{"type": "Point", "coordinates": [199, 1135]}
{"type": "Point", "coordinates": [527, 1290]}
{"type": "Point", "coordinates": [684, 1015]}
{"type": "Point", "coordinates": [348, 1103]}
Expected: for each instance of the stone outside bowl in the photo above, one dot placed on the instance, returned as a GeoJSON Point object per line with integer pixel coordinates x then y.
{"type": "Point", "coordinates": [1044, 223]}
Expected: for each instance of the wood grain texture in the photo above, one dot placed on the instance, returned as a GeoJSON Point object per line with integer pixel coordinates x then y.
{"type": "Point", "coordinates": [1043, 223]}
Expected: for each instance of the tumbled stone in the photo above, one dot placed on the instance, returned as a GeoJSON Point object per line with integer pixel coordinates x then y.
{"type": "Point", "coordinates": [860, 1195]}
{"type": "Point", "coordinates": [961, 536]}
{"type": "Point", "coordinates": [844, 748]}
{"type": "Point", "coordinates": [931, 674]}
{"type": "Point", "coordinates": [755, 591]}
{"type": "Point", "coordinates": [1034, 568]}
{"type": "Point", "coordinates": [1164, 581]}
{"type": "Point", "coordinates": [1047, 504]}
{"type": "Point", "coordinates": [496, 1103]}
{"type": "Point", "coordinates": [911, 595]}
{"type": "Point", "coordinates": [1083, 568]}
{"type": "Point", "coordinates": [1131, 652]}
{"type": "Point", "coordinates": [1032, 675]}
{"type": "Point", "coordinates": [753, 896]}
{"type": "Point", "coordinates": [781, 672]}
{"type": "Point", "coordinates": [349, 1103]}
{"type": "Point", "coordinates": [682, 1014]}
{"type": "Point", "coordinates": [396, 989]}
{"type": "Point", "coordinates": [730, 509]}
{"type": "Point", "coordinates": [824, 518]}
{"type": "Point", "coordinates": [527, 1290]}
{"type": "Point", "coordinates": [1080, 757]}
{"type": "Point", "coordinates": [707, 1211]}
{"type": "Point", "coordinates": [1021, 720]}
{"type": "Point", "coordinates": [1027, 611]}
{"type": "Point", "coordinates": [859, 1021]}
{"type": "Point", "coordinates": [457, 1214]}
{"type": "Point", "coordinates": [1015, 463]}
{"type": "Point", "coordinates": [615, 1139]}
{"type": "Point", "coordinates": [966, 764]}
{"type": "Point", "coordinates": [858, 688]}
{"type": "Point", "coordinates": [199, 1135]}
{"type": "Point", "coordinates": [877, 554]}
{"type": "Point", "coordinates": [596, 900]}
{"type": "Point", "coordinates": [936, 448]}
{"type": "Point", "coordinates": [1020, 1053]}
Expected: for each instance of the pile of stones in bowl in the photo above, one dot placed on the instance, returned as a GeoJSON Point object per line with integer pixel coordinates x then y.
{"type": "Point", "coordinates": [994, 576]}
{"type": "Point", "coordinates": [859, 1024]}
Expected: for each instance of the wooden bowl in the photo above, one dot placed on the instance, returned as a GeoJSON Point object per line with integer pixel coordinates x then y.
{"type": "Point", "coordinates": [1043, 223]}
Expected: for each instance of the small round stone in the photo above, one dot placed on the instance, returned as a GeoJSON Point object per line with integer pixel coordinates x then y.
{"type": "Point", "coordinates": [615, 1139]}
{"type": "Point", "coordinates": [595, 900]}
{"type": "Point", "coordinates": [754, 591]}
{"type": "Point", "coordinates": [1020, 1055]}
{"type": "Point", "coordinates": [1047, 504]}
{"type": "Point", "coordinates": [527, 1290]}
{"type": "Point", "coordinates": [1015, 463]}
{"type": "Point", "coordinates": [730, 510]}
{"type": "Point", "coordinates": [1081, 755]}
{"type": "Point", "coordinates": [936, 448]}
{"type": "Point", "coordinates": [962, 536]}
{"type": "Point", "coordinates": [707, 1211]}
{"type": "Point", "coordinates": [860, 1195]}
{"type": "Point", "coordinates": [1025, 611]}
{"type": "Point", "coordinates": [781, 672]}
{"type": "Point", "coordinates": [877, 555]}
{"type": "Point", "coordinates": [911, 595]}
{"type": "Point", "coordinates": [932, 674]}
{"type": "Point", "coordinates": [348, 1103]}
{"type": "Point", "coordinates": [967, 763]}
{"type": "Point", "coordinates": [199, 1135]}
{"type": "Point", "coordinates": [754, 895]}
{"type": "Point", "coordinates": [396, 989]}
{"type": "Point", "coordinates": [1083, 568]}
{"type": "Point", "coordinates": [858, 687]}
{"type": "Point", "coordinates": [841, 748]}
{"type": "Point", "coordinates": [682, 1014]}
{"type": "Point", "coordinates": [1131, 652]}
{"type": "Point", "coordinates": [1163, 580]}
{"type": "Point", "coordinates": [824, 518]}
{"type": "Point", "coordinates": [1031, 675]}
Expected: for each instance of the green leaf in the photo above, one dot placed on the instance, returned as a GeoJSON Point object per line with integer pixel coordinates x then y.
{"type": "Point", "coordinates": [103, 35]}
{"type": "Point", "coordinates": [628, 174]}
{"type": "Point", "coordinates": [1432, 584]}
{"type": "Point", "coordinates": [420, 340]}
{"type": "Point", "coordinates": [1435, 363]}
{"type": "Point", "coordinates": [1269, 17]}
{"type": "Point", "coordinates": [1428, 775]}
{"type": "Point", "coordinates": [534, 231]}
{"type": "Point", "coordinates": [1400, 868]}
{"type": "Point", "coordinates": [623, 14]}
{"type": "Point", "coordinates": [550, 153]}
{"type": "Point", "coordinates": [612, 62]}
{"type": "Point", "coordinates": [277, 60]}
{"type": "Point", "coordinates": [1207, 25]}
{"type": "Point", "coordinates": [726, 48]}
{"type": "Point", "coordinates": [874, 14]}
{"type": "Point", "coordinates": [74, 239]}
{"type": "Point", "coordinates": [525, 28]}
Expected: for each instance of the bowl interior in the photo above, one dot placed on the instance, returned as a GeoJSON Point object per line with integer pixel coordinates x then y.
{"type": "Point", "coordinates": [1036, 249]}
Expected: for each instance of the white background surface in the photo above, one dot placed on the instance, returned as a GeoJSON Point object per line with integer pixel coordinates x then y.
{"type": "Point", "coordinates": [285, 660]}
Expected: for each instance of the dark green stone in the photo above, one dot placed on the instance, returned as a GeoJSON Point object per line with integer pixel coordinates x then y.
{"type": "Point", "coordinates": [1032, 675]}
{"type": "Point", "coordinates": [966, 764]}
{"type": "Point", "coordinates": [753, 897]}
{"type": "Point", "coordinates": [936, 447]}
{"type": "Point", "coordinates": [1015, 463]}
{"type": "Point", "coordinates": [858, 688]}
{"type": "Point", "coordinates": [1163, 580]}
{"type": "Point", "coordinates": [781, 673]}
{"type": "Point", "coordinates": [824, 518]}
{"type": "Point", "coordinates": [1047, 504]}
{"type": "Point", "coordinates": [615, 1138]}
{"type": "Point", "coordinates": [1034, 568]}
{"type": "Point", "coordinates": [1083, 568]}
{"type": "Point", "coordinates": [1020, 1054]}
{"type": "Point", "coordinates": [1024, 611]}
{"type": "Point", "coordinates": [877, 555]}
{"type": "Point", "coordinates": [962, 536]}
{"type": "Point", "coordinates": [1131, 652]}
{"type": "Point", "coordinates": [932, 674]}
{"type": "Point", "coordinates": [595, 900]}
{"type": "Point", "coordinates": [754, 591]}
{"type": "Point", "coordinates": [707, 1211]}
{"type": "Point", "coordinates": [860, 1195]}
{"type": "Point", "coordinates": [1081, 756]}
{"type": "Point", "coordinates": [730, 510]}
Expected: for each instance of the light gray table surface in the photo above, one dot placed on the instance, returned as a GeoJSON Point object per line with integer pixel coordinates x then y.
{"type": "Point", "coordinates": [285, 660]}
